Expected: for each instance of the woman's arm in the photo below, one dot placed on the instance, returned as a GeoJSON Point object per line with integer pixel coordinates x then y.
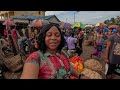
{"type": "Point", "coordinates": [74, 72]}
{"type": "Point", "coordinates": [31, 67]}
{"type": "Point", "coordinates": [30, 71]}
{"type": "Point", "coordinates": [107, 51]}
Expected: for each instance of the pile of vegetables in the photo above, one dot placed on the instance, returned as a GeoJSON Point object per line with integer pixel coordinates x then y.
{"type": "Point", "coordinates": [90, 68]}
{"type": "Point", "coordinates": [77, 63]}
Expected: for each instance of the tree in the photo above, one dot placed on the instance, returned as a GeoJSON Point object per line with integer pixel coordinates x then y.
{"type": "Point", "coordinates": [107, 21]}
{"type": "Point", "coordinates": [112, 20]}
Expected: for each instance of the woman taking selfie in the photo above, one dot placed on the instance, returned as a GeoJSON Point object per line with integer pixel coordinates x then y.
{"type": "Point", "coordinates": [50, 62]}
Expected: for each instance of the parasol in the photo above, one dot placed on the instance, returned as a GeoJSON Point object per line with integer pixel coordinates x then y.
{"type": "Point", "coordinates": [78, 25]}
{"type": "Point", "coordinates": [99, 25]}
{"type": "Point", "coordinates": [113, 26]}
{"type": "Point", "coordinates": [64, 25]}
{"type": "Point", "coordinates": [89, 26]}
{"type": "Point", "coordinates": [67, 26]}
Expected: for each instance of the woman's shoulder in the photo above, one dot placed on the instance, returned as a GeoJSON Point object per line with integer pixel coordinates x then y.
{"type": "Point", "coordinates": [64, 53]}
{"type": "Point", "coordinates": [33, 58]}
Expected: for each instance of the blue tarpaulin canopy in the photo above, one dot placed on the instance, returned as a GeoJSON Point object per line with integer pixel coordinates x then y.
{"type": "Point", "coordinates": [30, 17]}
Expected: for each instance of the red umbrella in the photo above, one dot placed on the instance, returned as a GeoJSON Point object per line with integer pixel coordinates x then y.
{"type": "Point", "coordinates": [113, 26]}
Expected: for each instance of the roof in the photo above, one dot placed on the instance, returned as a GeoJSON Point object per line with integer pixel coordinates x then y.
{"type": "Point", "coordinates": [30, 17]}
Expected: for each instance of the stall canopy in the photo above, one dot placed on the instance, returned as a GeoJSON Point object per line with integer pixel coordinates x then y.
{"type": "Point", "coordinates": [30, 17]}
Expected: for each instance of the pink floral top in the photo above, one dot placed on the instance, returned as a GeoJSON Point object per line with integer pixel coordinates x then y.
{"type": "Point", "coordinates": [51, 66]}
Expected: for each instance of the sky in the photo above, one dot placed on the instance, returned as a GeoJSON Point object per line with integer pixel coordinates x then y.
{"type": "Point", "coordinates": [86, 17]}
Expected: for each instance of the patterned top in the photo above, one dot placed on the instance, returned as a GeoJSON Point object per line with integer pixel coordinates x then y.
{"type": "Point", "coordinates": [51, 66]}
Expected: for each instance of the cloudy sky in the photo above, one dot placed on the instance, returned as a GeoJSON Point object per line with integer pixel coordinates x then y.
{"type": "Point", "coordinates": [86, 17]}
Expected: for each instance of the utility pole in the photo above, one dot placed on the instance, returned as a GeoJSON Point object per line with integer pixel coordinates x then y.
{"type": "Point", "coordinates": [74, 15]}
{"type": "Point", "coordinates": [66, 19]}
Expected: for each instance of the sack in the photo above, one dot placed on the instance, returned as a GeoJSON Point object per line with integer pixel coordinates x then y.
{"type": "Point", "coordinates": [11, 75]}
{"type": "Point", "coordinates": [15, 63]}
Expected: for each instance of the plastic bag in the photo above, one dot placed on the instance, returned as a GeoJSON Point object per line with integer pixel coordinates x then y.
{"type": "Point", "coordinates": [106, 68]}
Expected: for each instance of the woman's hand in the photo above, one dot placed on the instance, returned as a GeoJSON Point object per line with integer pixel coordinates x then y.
{"type": "Point", "coordinates": [84, 77]}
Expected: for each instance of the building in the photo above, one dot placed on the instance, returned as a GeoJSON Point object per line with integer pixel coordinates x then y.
{"type": "Point", "coordinates": [6, 14]}
{"type": "Point", "coordinates": [29, 18]}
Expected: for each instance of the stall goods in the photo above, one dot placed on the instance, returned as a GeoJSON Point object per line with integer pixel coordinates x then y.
{"type": "Point", "coordinates": [91, 74]}
{"type": "Point", "coordinates": [77, 63]}
{"type": "Point", "coordinates": [94, 65]}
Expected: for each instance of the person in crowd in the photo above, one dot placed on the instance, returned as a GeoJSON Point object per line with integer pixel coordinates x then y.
{"type": "Point", "coordinates": [22, 43]}
{"type": "Point", "coordinates": [112, 55]}
{"type": "Point", "coordinates": [115, 31]}
{"type": "Point", "coordinates": [1, 51]}
{"type": "Point", "coordinates": [71, 43]}
{"type": "Point", "coordinates": [4, 45]}
{"type": "Point", "coordinates": [98, 45]}
{"type": "Point", "coordinates": [50, 62]}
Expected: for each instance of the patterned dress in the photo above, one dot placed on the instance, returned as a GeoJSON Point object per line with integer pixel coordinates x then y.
{"type": "Point", "coordinates": [51, 66]}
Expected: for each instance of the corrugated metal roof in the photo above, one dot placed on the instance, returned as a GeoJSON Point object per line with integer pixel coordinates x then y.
{"type": "Point", "coordinates": [33, 17]}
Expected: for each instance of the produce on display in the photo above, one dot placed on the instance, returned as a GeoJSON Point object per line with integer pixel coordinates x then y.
{"type": "Point", "coordinates": [77, 63]}
{"type": "Point", "coordinates": [94, 65]}
{"type": "Point", "coordinates": [91, 74]}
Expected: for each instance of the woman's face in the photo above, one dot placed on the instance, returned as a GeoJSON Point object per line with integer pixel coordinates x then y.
{"type": "Point", "coordinates": [53, 38]}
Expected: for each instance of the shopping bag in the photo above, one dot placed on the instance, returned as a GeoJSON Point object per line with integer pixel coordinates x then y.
{"type": "Point", "coordinates": [106, 68]}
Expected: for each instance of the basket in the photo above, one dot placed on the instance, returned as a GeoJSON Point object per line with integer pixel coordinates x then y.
{"type": "Point", "coordinates": [11, 75]}
{"type": "Point", "coordinates": [14, 64]}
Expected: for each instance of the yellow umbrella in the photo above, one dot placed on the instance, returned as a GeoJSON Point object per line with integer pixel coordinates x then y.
{"type": "Point", "coordinates": [99, 24]}
{"type": "Point", "coordinates": [78, 24]}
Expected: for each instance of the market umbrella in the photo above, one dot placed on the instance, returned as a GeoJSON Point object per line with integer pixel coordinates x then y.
{"type": "Point", "coordinates": [67, 26]}
{"type": "Point", "coordinates": [89, 26]}
{"type": "Point", "coordinates": [99, 25]}
{"type": "Point", "coordinates": [113, 26]}
{"type": "Point", "coordinates": [78, 24]}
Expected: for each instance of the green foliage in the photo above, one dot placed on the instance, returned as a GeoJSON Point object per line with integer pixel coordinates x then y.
{"type": "Point", "coordinates": [113, 21]}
